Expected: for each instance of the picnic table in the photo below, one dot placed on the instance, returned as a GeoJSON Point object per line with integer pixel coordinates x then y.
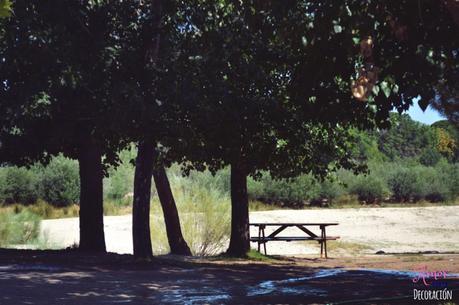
{"type": "Point", "coordinates": [309, 235]}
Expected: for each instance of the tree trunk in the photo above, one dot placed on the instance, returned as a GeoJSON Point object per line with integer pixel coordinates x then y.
{"type": "Point", "coordinates": [146, 157]}
{"type": "Point", "coordinates": [91, 199]}
{"type": "Point", "coordinates": [177, 243]}
{"type": "Point", "coordinates": [141, 205]}
{"type": "Point", "coordinates": [239, 241]}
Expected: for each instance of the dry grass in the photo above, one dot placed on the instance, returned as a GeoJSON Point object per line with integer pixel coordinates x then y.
{"type": "Point", "coordinates": [42, 209]}
{"type": "Point", "coordinates": [204, 217]}
{"type": "Point", "coordinates": [346, 247]}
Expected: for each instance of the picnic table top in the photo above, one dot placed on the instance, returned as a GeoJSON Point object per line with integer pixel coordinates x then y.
{"type": "Point", "coordinates": [294, 223]}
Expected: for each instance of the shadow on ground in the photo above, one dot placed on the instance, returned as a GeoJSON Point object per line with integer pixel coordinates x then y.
{"type": "Point", "coordinates": [70, 277]}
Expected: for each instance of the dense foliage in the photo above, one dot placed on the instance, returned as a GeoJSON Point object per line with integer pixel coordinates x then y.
{"type": "Point", "coordinates": [267, 88]}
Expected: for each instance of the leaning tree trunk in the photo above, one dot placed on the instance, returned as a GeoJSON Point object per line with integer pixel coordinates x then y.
{"type": "Point", "coordinates": [239, 240]}
{"type": "Point", "coordinates": [91, 199]}
{"type": "Point", "coordinates": [142, 194]}
{"type": "Point", "coordinates": [146, 158]}
{"type": "Point", "coordinates": [177, 243]}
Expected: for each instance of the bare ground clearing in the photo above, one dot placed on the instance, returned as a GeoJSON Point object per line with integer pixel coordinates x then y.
{"type": "Point", "coordinates": [362, 231]}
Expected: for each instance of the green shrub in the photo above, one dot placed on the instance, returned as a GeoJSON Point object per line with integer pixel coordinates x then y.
{"type": "Point", "coordinates": [405, 185]}
{"type": "Point", "coordinates": [330, 190]}
{"type": "Point", "coordinates": [300, 189]}
{"type": "Point", "coordinates": [18, 185]}
{"type": "Point", "coordinates": [18, 228]}
{"type": "Point", "coordinates": [60, 182]}
{"type": "Point", "coordinates": [120, 179]}
{"type": "Point", "coordinates": [119, 183]}
{"type": "Point", "coordinates": [368, 188]}
{"type": "Point", "coordinates": [449, 177]}
{"type": "Point", "coordinates": [433, 184]}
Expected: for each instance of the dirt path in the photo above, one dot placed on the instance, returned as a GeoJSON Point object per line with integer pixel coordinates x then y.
{"type": "Point", "coordinates": [362, 231]}
{"type": "Point", "coordinates": [351, 276]}
{"type": "Point", "coordinates": [61, 278]}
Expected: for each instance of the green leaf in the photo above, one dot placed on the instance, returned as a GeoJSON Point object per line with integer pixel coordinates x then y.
{"type": "Point", "coordinates": [5, 8]}
{"type": "Point", "coordinates": [376, 90]}
{"type": "Point", "coordinates": [337, 28]}
{"type": "Point", "coordinates": [385, 88]}
{"type": "Point", "coordinates": [304, 41]}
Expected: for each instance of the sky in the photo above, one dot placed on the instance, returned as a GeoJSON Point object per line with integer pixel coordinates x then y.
{"type": "Point", "coordinates": [427, 117]}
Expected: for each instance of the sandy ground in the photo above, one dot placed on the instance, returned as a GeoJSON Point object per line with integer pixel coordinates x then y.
{"type": "Point", "coordinates": [361, 231]}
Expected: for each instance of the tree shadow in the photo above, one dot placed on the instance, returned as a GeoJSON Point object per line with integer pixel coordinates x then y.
{"type": "Point", "coordinates": [71, 277]}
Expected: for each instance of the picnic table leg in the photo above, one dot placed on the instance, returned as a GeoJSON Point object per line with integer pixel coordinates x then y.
{"type": "Point", "coordinates": [259, 238]}
{"type": "Point", "coordinates": [322, 241]}
{"type": "Point", "coordinates": [264, 241]}
{"type": "Point", "coordinates": [324, 238]}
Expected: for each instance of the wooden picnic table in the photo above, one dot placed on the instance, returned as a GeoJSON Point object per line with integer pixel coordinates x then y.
{"type": "Point", "coordinates": [274, 236]}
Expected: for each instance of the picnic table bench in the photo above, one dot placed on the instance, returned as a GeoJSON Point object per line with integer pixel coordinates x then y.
{"type": "Point", "coordinates": [274, 236]}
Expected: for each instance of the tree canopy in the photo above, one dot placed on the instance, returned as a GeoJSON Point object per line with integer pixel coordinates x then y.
{"type": "Point", "coordinates": [258, 85]}
{"type": "Point", "coordinates": [60, 78]}
{"type": "Point", "coordinates": [276, 87]}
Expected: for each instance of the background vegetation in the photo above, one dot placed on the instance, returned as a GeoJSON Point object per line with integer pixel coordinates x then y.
{"type": "Point", "coordinates": [411, 162]}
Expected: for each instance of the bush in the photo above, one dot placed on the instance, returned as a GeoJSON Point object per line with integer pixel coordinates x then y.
{"type": "Point", "coordinates": [330, 190]}
{"type": "Point", "coordinates": [405, 185]}
{"type": "Point", "coordinates": [60, 182]}
{"type": "Point", "coordinates": [204, 215]}
{"type": "Point", "coordinates": [434, 184]}
{"type": "Point", "coordinates": [18, 185]}
{"type": "Point", "coordinates": [449, 177]}
{"type": "Point", "coordinates": [120, 179]}
{"type": "Point", "coordinates": [120, 182]}
{"type": "Point", "coordinates": [369, 189]}
{"type": "Point", "coordinates": [289, 192]}
{"type": "Point", "coordinates": [18, 228]}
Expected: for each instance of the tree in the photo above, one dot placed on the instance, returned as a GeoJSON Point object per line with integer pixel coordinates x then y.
{"type": "Point", "coordinates": [236, 112]}
{"type": "Point", "coordinates": [175, 238]}
{"type": "Point", "coordinates": [60, 79]}
{"type": "Point", "coordinates": [148, 55]}
{"type": "Point", "coordinates": [446, 100]}
{"type": "Point", "coordinates": [276, 87]}
{"type": "Point", "coordinates": [451, 137]}
{"type": "Point", "coordinates": [406, 138]}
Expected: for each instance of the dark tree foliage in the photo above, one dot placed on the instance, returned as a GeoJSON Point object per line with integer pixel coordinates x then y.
{"type": "Point", "coordinates": [61, 92]}
{"type": "Point", "coordinates": [447, 99]}
{"type": "Point", "coordinates": [276, 86]}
